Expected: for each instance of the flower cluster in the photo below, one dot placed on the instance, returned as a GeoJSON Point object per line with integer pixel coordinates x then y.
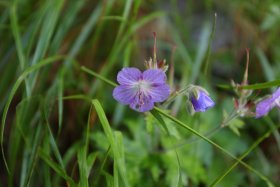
{"type": "Point", "coordinates": [141, 90]}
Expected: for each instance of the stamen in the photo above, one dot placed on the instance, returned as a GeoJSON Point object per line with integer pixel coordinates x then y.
{"type": "Point", "coordinates": [141, 99]}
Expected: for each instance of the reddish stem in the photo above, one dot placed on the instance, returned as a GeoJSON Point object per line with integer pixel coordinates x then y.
{"type": "Point", "coordinates": [155, 47]}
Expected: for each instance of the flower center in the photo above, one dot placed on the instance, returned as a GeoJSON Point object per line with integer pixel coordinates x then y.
{"type": "Point", "coordinates": [142, 88]}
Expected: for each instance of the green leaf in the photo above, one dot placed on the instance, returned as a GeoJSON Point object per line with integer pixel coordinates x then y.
{"type": "Point", "coordinates": [235, 125]}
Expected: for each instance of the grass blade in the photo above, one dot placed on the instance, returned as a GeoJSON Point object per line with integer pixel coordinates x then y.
{"type": "Point", "coordinates": [60, 99]}
{"type": "Point", "coordinates": [84, 34]}
{"type": "Point", "coordinates": [45, 157]}
{"type": "Point", "coordinates": [54, 8]}
{"type": "Point", "coordinates": [82, 162]}
{"type": "Point", "coordinates": [13, 91]}
{"type": "Point", "coordinates": [262, 85]}
{"type": "Point", "coordinates": [83, 68]}
{"type": "Point", "coordinates": [113, 141]}
{"type": "Point", "coordinates": [268, 71]}
{"type": "Point", "coordinates": [201, 53]}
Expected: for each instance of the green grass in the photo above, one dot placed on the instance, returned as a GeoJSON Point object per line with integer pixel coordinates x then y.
{"type": "Point", "coordinates": [60, 125]}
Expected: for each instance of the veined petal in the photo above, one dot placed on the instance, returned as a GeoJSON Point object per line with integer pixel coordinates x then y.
{"type": "Point", "coordinates": [124, 94]}
{"type": "Point", "coordinates": [128, 76]}
{"type": "Point", "coordinates": [154, 76]}
{"type": "Point", "coordinates": [159, 93]}
{"type": "Point", "coordinates": [264, 107]}
{"type": "Point", "coordinates": [143, 105]}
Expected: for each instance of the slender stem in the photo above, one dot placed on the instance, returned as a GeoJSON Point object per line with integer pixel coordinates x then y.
{"type": "Point", "coordinates": [212, 143]}
{"type": "Point", "coordinates": [171, 68]}
{"type": "Point", "coordinates": [255, 144]}
{"type": "Point", "coordinates": [155, 48]}
{"type": "Point", "coordinates": [172, 98]}
{"type": "Point", "coordinates": [275, 132]}
{"type": "Point", "coordinates": [85, 69]}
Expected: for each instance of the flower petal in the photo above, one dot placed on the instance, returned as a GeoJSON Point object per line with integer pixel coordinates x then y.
{"type": "Point", "coordinates": [202, 103]}
{"type": "Point", "coordinates": [124, 94]}
{"type": "Point", "coordinates": [144, 105]}
{"type": "Point", "coordinates": [159, 93]}
{"type": "Point", "coordinates": [154, 76]}
{"type": "Point", "coordinates": [276, 94]}
{"type": "Point", "coordinates": [264, 107]}
{"type": "Point", "coordinates": [128, 76]}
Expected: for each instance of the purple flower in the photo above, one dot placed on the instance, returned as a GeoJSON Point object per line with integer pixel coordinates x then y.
{"type": "Point", "coordinates": [141, 90]}
{"type": "Point", "coordinates": [201, 102]}
{"type": "Point", "coordinates": [264, 106]}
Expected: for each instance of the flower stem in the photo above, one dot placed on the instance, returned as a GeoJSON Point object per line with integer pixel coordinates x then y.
{"type": "Point", "coordinates": [214, 144]}
{"type": "Point", "coordinates": [176, 93]}
{"type": "Point", "coordinates": [255, 144]}
{"type": "Point", "coordinates": [155, 49]}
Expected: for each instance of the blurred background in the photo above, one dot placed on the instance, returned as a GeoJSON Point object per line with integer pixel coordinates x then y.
{"type": "Point", "coordinates": [51, 133]}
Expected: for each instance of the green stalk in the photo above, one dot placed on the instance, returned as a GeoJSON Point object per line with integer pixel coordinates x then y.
{"type": "Point", "coordinates": [255, 144]}
{"type": "Point", "coordinates": [214, 144]}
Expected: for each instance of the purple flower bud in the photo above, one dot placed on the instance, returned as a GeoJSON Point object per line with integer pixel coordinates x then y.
{"type": "Point", "coordinates": [141, 90]}
{"type": "Point", "coordinates": [264, 106]}
{"type": "Point", "coordinates": [201, 101]}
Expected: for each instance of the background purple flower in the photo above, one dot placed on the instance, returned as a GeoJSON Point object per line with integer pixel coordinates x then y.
{"type": "Point", "coordinates": [202, 102]}
{"type": "Point", "coordinates": [141, 90]}
{"type": "Point", "coordinates": [264, 106]}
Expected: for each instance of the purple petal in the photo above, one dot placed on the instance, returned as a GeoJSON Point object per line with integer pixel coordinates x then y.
{"type": "Point", "coordinates": [264, 107]}
{"type": "Point", "coordinates": [124, 94]}
{"type": "Point", "coordinates": [202, 103]}
{"type": "Point", "coordinates": [154, 76]}
{"type": "Point", "coordinates": [144, 105]}
{"type": "Point", "coordinates": [159, 93]}
{"type": "Point", "coordinates": [128, 76]}
{"type": "Point", "coordinates": [276, 94]}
